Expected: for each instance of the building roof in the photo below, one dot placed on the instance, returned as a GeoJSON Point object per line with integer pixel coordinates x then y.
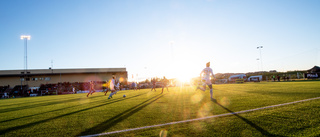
{"type": "Point", "coordinates": [61, 71]}
{"type": "Point", "coordinates": [315, 69]}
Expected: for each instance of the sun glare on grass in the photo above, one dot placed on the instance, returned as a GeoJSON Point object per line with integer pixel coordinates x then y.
{"type": "Point", "coordinates": [196, 98]}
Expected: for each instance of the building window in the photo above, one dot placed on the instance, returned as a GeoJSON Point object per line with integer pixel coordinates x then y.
{"type": "Point", "coordinates": [47, 78]}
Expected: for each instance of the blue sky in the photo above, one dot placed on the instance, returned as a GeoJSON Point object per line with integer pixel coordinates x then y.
{"type": "Point", "coordinates": [173, 38]}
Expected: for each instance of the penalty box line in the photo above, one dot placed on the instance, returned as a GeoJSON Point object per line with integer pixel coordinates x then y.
{"type": "Point", "coordinates": [197, 119]}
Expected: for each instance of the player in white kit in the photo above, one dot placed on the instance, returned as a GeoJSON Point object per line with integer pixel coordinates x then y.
{"type": "Point", "coordinates": [112, 87]}
{"type": "Point", "coordinates": [205, 75]}
{"type": "Point", "coordinates": [117, 86]}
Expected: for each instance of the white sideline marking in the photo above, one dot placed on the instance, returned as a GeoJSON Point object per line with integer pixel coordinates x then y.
{"type": "Point", "coordinates": [197, 119]}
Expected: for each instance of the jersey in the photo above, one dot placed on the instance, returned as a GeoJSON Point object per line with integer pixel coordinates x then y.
{"type": "Point", "coordinates": [206, 72]}
{"type": "Point", "coordinates": [112, 84]}
{"type": "Point", "coordinates": [165, 82]}
{"type": "Point", "coordinates": [91, 86]}
{"type": "Point", "coordinates": [153, 81]}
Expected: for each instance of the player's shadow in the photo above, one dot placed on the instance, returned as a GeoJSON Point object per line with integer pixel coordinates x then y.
{"type": "Point", "coordinates": [42, 104]}
{"type": "Point", "coordinates": [261, 130]}
{"type": "Point", "coordinates": [34, 102]}
{"type": "Point", "coordinates": [4, 131]}
{"type": "Point", "coordinates": [105, 125]}
{"type": "Point", "coordinates": [56, 110]}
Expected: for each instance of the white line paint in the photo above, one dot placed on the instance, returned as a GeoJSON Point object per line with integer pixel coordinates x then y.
{"type": "Point", "coordinates": [197, 119]}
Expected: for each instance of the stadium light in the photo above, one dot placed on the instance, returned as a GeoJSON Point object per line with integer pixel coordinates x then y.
{"type": "Point", "coordinates": [25, 38]}
{"type": "Point", "coordinates": [258, 63]}
{"type": "Point", "coordinates": [260, 47]}
{"type": "Point", "coordinates": [172, 54]}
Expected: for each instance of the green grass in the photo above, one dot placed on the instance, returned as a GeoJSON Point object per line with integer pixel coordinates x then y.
{"type": "Point", "coordinates": [76, 115]}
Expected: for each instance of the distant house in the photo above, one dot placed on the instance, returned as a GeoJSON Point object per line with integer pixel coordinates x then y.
{"type": "Point", "coordinates": [315, 69]}
{"type": "Point", "coordinates": [313, 73]}
{"type": "Point", "coordinates": [255, 78]}
{"type": "Point", "coordinates": [240, 76]}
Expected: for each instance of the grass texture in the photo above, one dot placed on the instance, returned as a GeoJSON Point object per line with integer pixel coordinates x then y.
{"type": "Point", "coordinates": [78, 115]}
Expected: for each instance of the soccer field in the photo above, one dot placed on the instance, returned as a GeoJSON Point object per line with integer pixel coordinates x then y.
{"type": "Point", "coordinates": [77, 115]}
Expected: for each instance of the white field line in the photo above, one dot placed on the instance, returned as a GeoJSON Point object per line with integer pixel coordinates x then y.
{"type": "Point", "coordinates": [197, 119]}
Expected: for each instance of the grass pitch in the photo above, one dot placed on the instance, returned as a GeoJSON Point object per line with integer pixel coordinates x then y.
{"type": "Point", "coordinates": [77, 115]}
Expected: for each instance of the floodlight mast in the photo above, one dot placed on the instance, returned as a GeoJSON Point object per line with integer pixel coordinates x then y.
{"type": "Point", "coordinates": [25, 38]}
{"type": "Point", "coordinates": [260, 47]}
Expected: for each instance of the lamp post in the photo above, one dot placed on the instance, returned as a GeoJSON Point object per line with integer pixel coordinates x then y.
{"type": "Point", "coordinates": [260, 47]}
{"type": "Point", "coordinates": [172, 56]}
{"type": "Point", "coordinates": [258, 63]}
{"type": "Point", "coordinates": [172, 59]}
{"type": "Point", "coordinates": [25, 38]}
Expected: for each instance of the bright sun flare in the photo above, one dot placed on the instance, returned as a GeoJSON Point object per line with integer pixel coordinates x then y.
{"type": "Point", "coordinates": [184, 77]}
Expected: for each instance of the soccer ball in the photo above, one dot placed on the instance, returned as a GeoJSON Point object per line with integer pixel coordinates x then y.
{"type": "Point", "coordinates": [124, 96]}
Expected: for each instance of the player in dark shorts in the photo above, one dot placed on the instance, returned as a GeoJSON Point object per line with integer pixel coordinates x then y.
{"type": "Point", "coordinates": [165, 83]}
{"type": "Point", "coordinates": [107, 88]}
{"type": "Point", "coordinates": [153, 81]}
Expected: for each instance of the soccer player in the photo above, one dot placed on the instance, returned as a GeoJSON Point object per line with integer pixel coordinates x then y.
{"type": "Point", "coordinates": [112, 87]}
{"type": "Point", "coordinates": [205, 77]}
{"type": "Point", "coordinates": [165, 83]}
{"type": "Point", "coordinates": [117, 86]}
{"type": "Point", "coordinates": [153, 81]}
{"type": "Point", "coordinates": [91, 89]}
{"type": "Point", "coordinates": [134, 86]}
{"type": "Point", "coordinates": [138, 86]}
{"type": "Point", "coordinates": [107, 88]}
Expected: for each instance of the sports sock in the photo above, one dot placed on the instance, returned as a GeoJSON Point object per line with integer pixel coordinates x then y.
{"type": "Point", "coordinates": [111, 94]}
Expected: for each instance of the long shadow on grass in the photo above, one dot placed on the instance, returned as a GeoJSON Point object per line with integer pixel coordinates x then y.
{"type": "Point", "coordinates": [35, 101]}
{"type": "Point", "coordinates": [96, 102]}
{"type": "Point", "coordinates": [261, 130]}
{"type": "Point", "coordinates": [3, 132]}
{"type": "Point", "coordinates": [105, 125]}
{"type": "Point", "coordinates": [18, 118]}
{"type": "Point", "coordinates": [41, 104]}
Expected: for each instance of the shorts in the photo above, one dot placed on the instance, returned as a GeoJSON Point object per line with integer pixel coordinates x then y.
{"type": "Point", "coordinates": [207, 82]}
{"type": "Point", "coordinates": [111, 88]}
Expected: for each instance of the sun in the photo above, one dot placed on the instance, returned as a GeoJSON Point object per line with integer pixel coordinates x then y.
{"type": "Point", "coordinates": [185, 76]}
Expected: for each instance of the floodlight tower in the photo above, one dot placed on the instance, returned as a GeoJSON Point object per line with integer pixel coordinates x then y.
{"type": "Point", "coordinates": [25, 38]}
{"type": "Point", "coordinates": [258, 64]}
{"type": "Point", "coordinates": [260, 47]}
{"type": "Point", "coordinates": [171, 44]}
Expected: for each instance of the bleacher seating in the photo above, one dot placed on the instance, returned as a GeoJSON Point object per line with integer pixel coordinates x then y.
{"type": "Point", "coordinates": [49, 89]}
{"type": "Point", "coordinates": [19, 91]}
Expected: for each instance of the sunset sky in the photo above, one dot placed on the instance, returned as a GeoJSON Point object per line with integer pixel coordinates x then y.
{"type": "Point", "coordinates": [172, 38]}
